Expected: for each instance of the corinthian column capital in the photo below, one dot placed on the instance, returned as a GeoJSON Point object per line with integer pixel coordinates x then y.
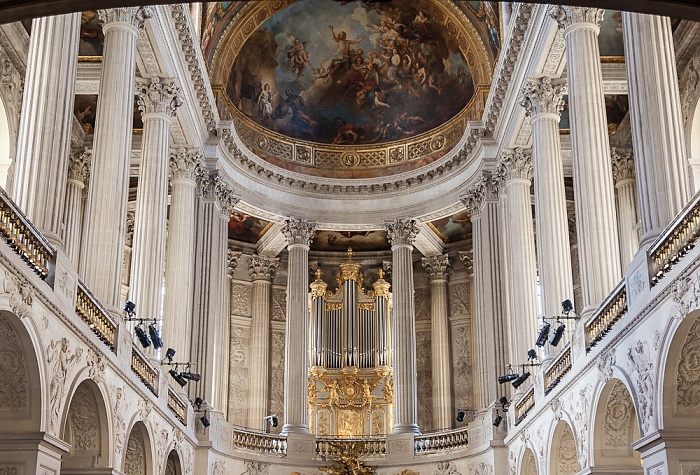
{"type": "Point", "coordinates": [134, 16]}
{"type": "Point", "coordinates": [438, 267]}
{"type": "Point", "coordinates": [299, 231]}
{"type": "Point", "coordinates": [542, 96]}
{"type": "Point", "coordinates": [401, 231]}
{"type": "Point", "coordinates": [262, 267]}
{"type": "Point", "coordinates": [158, 95]}
{"type": "Point", "coordinates": [79, 165]}
{"type": "Point", "coordinates": [185, 163]}
{"type": "Point", "coordinates": [467, 258]}
{"type": "Point", "coordinates": [622, 164]}
{"type": "Point", "coordinates": [232, 261]}
{"type": "Point", "coordinates": [515, 165]}
{"type": "Point", "coordinates": [567, 16]}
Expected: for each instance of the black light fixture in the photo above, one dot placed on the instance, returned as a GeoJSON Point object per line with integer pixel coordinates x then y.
{"type": "Point", "coordinates": [557, 335]}
{"type": "Point", "coordinates": [130, 308]}
{"type": "Point", "coordinates": [521, 379]}
{"type": "Point", "coordinates": [461, 415]}
{"type": "Point", "coordinates": [198, 403]}
{"type": "Point", "coordinates": [155, 336]}
{"type": "Point", "coordinates": [497, 420]}
{"type": "Point", "coordinates": [178, 378]}
{"type": "Point", "coordinates": [169, 354]}
{"type": "Point", "coordinates": [274, 421]}
{"type": "Point", "coordinates": [543, 335]}
{"type": "Point", "coordinates": [205, 420]}
{"type": "Point", "coordinates": [190, 376]}
{"type": "Point", "coordinates": [509, 376]}
{"type": "Point", "coordinates": [141, 335]}
{"type": "Point", "coordinates": [567, 306]}
{"type": "Point", "coordinates": [504, 402]}
{"type": "Point", "coordinates": [532, 355]}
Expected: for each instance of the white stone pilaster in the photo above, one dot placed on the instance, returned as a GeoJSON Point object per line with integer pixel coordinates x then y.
{"type": "Point", "coordinates": [78, 173]}
{"type": "Point", "coordinates": [43, 142]}
{"type": "Point", "coordinates": [626, 185]}
{"type": "Point", "coordinates": [401, 234]}
{"type": "Point", "coordinates": [657, 124]}
{"type": "Point", "coordinates": [299, 234]}
{"type": "Point", "coordinates": [594, 192]}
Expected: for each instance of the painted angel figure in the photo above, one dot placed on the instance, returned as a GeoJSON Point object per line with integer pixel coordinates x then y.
{"type": "Point", "coordinates": [298, 57]}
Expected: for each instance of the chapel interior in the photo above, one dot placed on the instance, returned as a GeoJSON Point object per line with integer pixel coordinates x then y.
{"type": "Point", "coordinates": [349, 237]}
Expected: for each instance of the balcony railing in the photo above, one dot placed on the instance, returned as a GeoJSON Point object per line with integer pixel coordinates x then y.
{"type": "Point", "coordinates": [607, 314]}
{"type": "Point", "coordinates": [177, 407]}
{"type": "Point", "coordinates": [679, 237]}
{"type": "Point", "coordinates": [362, 447]}
{"type": "Point", "coordinates": [558, 370]}
{"type": "Point", "coordinates": [446, 440]}
{"type": "Point", "coordinates": [272, 444]}
{"type": "Point", "coordinates": [21, 235]}
{"type": "Point", "coordinates": [525, 405]}
{"type": "Point", "coordinates": [91, 312]}
{"type": "Point", "coordinates": [143, 369]}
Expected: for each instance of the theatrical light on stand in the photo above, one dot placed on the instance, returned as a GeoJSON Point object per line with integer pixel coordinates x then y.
{"type": "Point", "coordinates": [155, 336]}
{"type": "Point", "coordinates": [169, 353]}
{"type": "Point", "coordinates": [461, 415]}
{"type": "Point", "coordinates": [504, 402]}
{"type": "Point", "coordinates": [543, 335]}
{"type": "Point", "coordinates": [141, 335]}
{"type": "Point", "coordinates": [521, 379]}
{"type": "Point", "coordinates": [178, 378]}
{"type": "Point", "coordinates": [567, 306]}
{"type": "Point", "coordinates": [532, 355]}
{"type": "Point", "coordinates": [557, 335]}
{"type": "Point", "coordinates": [198, 403]}
{"type": "Point", "coordinates": [497, 420]}
{"type": "Point", "coordinates": [130, 308]}
{"type": "Point", "coordinates": [189, 375]}
{"type": "Point", "coordinates": [509, 376]}
{"type": "Point", "coordinates": [205, 420]}
{"type": "Point", "coordinates": [272, 420]}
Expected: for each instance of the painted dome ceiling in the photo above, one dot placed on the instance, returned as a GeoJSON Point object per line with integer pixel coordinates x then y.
{"type": "Point", "coordinates": [351, 89]}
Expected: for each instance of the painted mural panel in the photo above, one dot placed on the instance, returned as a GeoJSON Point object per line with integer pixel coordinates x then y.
{"type": "Point", "coordinates": [91, 36]}
{"type": "Point", "coordinates": [85, 110]}
{"type": "Point", "coordinates": [616, 107]}
{"type": "Point", "coordinates": [246, 228]}
{"type": "Point", "coordinates": [350, 73]}
{"type": "Point", "coordinates": [487, 12]}
{"type": "Point", "coordinates": [610, 37]}
{"type": "Point", "coordinates": [357, 240]}
{"type": "Point", "coordinates": [453, 228]}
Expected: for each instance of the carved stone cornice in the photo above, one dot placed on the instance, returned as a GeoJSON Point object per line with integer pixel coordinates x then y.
{"type": "Point", "coordinates": [299, 231]}
{"type": "Point", "coordinates": [515, 165]}
{"type": "Point", "coordinates": [467, 258]}
{"type": "Point", "coordinates": [232, 258]}
{"type": "Point", "coordinates": [401, 232]}
{"type": "Point", "coordinates": [134, 16]}
{"type": "Point", "coordinates": [186, 163]}
{"type": "Point", "coordinates": [79, 165]}
{"type": "Point", "coordinates": [542, 96]}
{"type": "Point", "coordinates": [437, 267]}
{"type": "Point", "coordinates": [158, 95]}
{"type": "Point", "coordinates": [622, 164]}
{"type": "Point", "coordinates": [262, 267]}
{"type": "Point", "coordinates": [567, 16]}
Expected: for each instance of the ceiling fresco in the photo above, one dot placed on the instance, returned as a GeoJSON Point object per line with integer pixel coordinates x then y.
{"type": "Point", "coordinates": [91, 36]}
{"type": "Point", "coordinates": [340, 241]}
{"type": "Point", "coordinates": [610, 36]}
{"type": "Point", "coordinates": [616, 108]}
{"type": "Point", "coordinates": [246, 228]}
{"type": "Point", "coordinates": [455, 228]}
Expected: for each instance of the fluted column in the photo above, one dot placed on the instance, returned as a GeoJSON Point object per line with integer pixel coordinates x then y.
{"type": "Point", "coordinates": [542, 100]}
{"type": "Point", "coordinates": [657, 125]}
{"type": "Point", "coordinates": [402, 233]}
{"type": "Point", "coordinates": [109, 175]}
{"type": "Point", "coordinates": [78, 173]}
{"type": "Point", "coordinates": [185, 166]}
{"type": "Point", "coordinates": [626, 185]}
{"type": "Point", "coordinates": [515, 168]}
{"type": "Point", "coordinates": [262, 270]}
{"type": "Point", "coordinates": [299, 233]}
{"type": "Point", "coordinates": [157, 100]}
{"type": "Point", "coordinates": [211, 326]}
{"type": "Point", "coordinates": [593, 186]}
{"type": "Point", "coordinates": [46, 120]}
{"type": "Point", "coordinates": [489, 328]}
{"type": "Point", "coordinates": [438, 268]}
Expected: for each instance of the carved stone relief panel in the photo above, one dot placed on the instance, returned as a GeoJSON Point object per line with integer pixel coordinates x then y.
{"type": "Point", "coordinates": [529, 466]}
{"type": "Point", "coordinates": [61, 360]}
{"type": "Point", "coordinates": [688, 380]}
{"type": "Point", "coordinates": [690, 468]}
{"type": "Point", "coordinates": [14, 385]}
{"type": "Point", "coordinates": [619, 416]}
{"type": "Point", "coordinates": [459, 302]}
{"type": "Point", "coordinates": [446, 468]}
{"type": "Point", "coordinates": [84, 423]}
{"type": "Point", "coordinates": [135, 458]}
{"type": "Point", "coordinates": [279, 304]}
{"type": "Point", "coordinates": [277, 375]}
{"type": "Point", "coordinates": [641, 368]}
{"type": "Point", "coordinates": [567, 461]}
{"type": "Point", "coordinates": [238, 375]}
{"type": "Point", "coordinates": [423, 362]}
{"type": "Point", "coordinates": [422, 302]}
{"type": "Point", "coordinates": [240, 299]}
{"type": "Point", "coordinates": [11, 470]}
{"type": "Point", "coordinates": [462, 367]}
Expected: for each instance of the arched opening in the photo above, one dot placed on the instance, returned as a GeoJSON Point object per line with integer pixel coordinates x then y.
{"type": "Point", "coordinates": [138, 459]}
{"type": "Point", "coordinates": [616, 428]}
{"type": "Point", "coordinates": [86, 430]}
{"type": "Point", "coordinates": [563, 457]}
{"type": "Point", "coordinates": [173, 465]}
{"type": "Point", "coordinates": [529, 464]}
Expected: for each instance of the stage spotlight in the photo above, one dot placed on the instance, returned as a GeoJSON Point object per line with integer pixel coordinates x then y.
{"type": "Point", "coordinates": [155, 336]}
{"type": "Point", "coordinates": [198, 402]}
{"type": "Point", "coordinates": [205, 420]}
{"type": "Point", "coordinates": [557, 335]}
{"type": "Point", "coordinates": [567, 306]}
{"type": "Point", "coordinates": [497, 420]}
{"type": "Point", "coordinates": [178, 378]}
{"type": "Point", "coordinates": [274, 421]}
{"type": "Point", "coordinates": [461, 415]}
{"type": "Point", "coordinates": [504, 402]}
{"type": "Point", "coordinates": [521, 379]}
{"type": "Point", "coordinates": [169, 354]}
{"type": "Point", "coordinates": [141, 335]}
{"type": "Point", "coordinates": [130, 308]}
{"type": "Point", "coordinates": [532, 355]}
{"type": "Point", "coordinates": [191, 376]}
{"type": "Point", "coordinates": [507, 378]}
{"type": "Point", "coordinates": [543, 335]}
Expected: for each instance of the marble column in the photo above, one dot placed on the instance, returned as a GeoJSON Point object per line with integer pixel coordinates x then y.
{"type": "Point", "coordinates": [211, 327]}
{"type": "Point", "coordinates": [299, 233]}
{"type": "Point", "coordinates": [626, 185]}
{"type": "Point", "coordinates": [515, 168]}
{"type": "Point", "coordinates": [542, 100]}
{"type": "Point", "coordinates": [262, 270]}
{"type": "Point", "coordinates": [657, 124]}
{"type": "Point", "coordinates": [594, 192]}
{"type": "Point", "coordinates": [489, 328]}
{"type": "Point", "coordinates": [46, 120]}
{"type": "Point", "coordinates": [438, 268]}
{"type": "Point", "coordinates": [402, 233]}
{"type": "Point", "coordinates": [78, 173]}
{"type": "Point", "coordinates": [105, 225]}
{"type": "Point", "coordinates": [185, 166]}
{"type": "Point", "coordinates": [158, 100]}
